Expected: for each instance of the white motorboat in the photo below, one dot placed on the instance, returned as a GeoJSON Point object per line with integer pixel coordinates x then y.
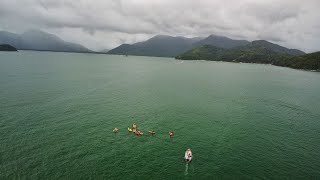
{"type": "Point", "coordinates": [188, 155]}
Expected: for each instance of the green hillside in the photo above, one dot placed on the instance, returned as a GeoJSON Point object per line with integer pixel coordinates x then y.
{"type": "Point", "coordinates": [262, 52]}
{"type": "Point", "coordinates": [309, 61]}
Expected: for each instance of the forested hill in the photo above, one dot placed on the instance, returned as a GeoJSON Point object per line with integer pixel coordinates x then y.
{"type": "Point", "coordinates": [256, 52]}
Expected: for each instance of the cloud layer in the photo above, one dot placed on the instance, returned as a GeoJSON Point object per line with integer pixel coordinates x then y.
{"type": "Point", "coordinates": [100, 24]}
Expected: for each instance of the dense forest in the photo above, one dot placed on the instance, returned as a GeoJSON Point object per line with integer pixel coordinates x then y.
{"type": "Point", "coordinates": [260, 51]}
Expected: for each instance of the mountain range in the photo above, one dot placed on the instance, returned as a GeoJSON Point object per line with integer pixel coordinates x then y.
{"type": "Point", "coordinates": [170, 46]}
{"type": "Point", "coordinates": [39, 40]}
{"type": "Point", "coordinates": [220, 48]}
{"type": "Point", "coordinates": [213, 47]}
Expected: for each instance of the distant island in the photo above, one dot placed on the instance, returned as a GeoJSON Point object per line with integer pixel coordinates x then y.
{"type": "Point", "coordinates": [7, 47]}
{"type": "Point", "coordinates": [260, 51]}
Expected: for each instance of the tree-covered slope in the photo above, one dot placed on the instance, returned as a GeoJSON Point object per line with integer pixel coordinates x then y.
{"type": "Point", "coordinates": [256, 52]}
{"type": "Point", "coordinates": [309, 62]}
{"type": "Point", "coordinates": [275, 47]}
{"type": "Point", "coordinates": [251, 53]}
{"type": "Point", "coordinates": [221, 41]}
{"type": "Point", "coordinates": [206, 52]}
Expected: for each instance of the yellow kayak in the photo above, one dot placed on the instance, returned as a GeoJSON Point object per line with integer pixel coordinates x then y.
{"type": "Point", "coordinates": [129, 129]}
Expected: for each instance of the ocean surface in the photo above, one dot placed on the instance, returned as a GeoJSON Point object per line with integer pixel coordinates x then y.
{"type": "Point", "coordinates": [241, 121]}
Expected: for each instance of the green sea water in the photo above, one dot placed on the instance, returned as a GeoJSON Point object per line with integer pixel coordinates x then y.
{"type": "Point", "coordinates": [241, 121]}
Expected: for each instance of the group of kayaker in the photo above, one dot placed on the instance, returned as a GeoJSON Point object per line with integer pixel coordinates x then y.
{"type": "Point", "coordinates": [137, 132]}
{"type": "Point", "coordinates": [133, 128]}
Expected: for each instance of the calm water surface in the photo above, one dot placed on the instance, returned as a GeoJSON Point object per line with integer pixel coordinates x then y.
{"type": "Point", "coordinates": [242, 121]}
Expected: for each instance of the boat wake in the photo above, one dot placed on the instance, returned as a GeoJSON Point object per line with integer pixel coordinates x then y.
{"type": "Point", "coordinates": [180, 62]}
{"type": "Point", "coordinates": [187, 169]}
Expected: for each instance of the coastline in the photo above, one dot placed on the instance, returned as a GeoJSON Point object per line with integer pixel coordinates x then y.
{"type": "Point", "coordinates": [309, 70]}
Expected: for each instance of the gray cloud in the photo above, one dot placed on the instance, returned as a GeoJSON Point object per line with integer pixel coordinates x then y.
{"type": "Point", "coordinates": [100, 24]}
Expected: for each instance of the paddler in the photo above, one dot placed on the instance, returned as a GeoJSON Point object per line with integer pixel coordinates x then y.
{"type": "Point", "coordinates": [170, 133]}
{"type": "Point", "coordinates": [134, 127]}
{"type": "Point", "coordinates": [115, 130]}
{"type": "Point", "coordinates": [138, 133]}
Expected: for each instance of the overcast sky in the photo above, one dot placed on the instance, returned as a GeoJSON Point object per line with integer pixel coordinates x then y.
{"type": "Point", "coordinates": [100, 24]}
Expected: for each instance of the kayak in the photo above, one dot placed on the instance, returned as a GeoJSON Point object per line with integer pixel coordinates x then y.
{"type": "Point", "coordinates": [138, 133]}
{"type": "Point", "coordinates": [129, 129]}
{"type": "Point", "coordinates": [188, 155]}
{"type": "Point", "coordinates": [134, 126]}
{"type": "Point", "coordinates": [170, 133]}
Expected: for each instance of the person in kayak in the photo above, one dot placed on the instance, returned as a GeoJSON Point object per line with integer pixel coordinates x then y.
{"type": "Point", "coordinates": [188, 155]}
{"type": "Point", "coordinates": [115, 130]}
{"type": "Point", "coordinates": [134, 127]}
{"type": "Point", "coordinates": [170, 133]}
{"type": "Point", "coordinates": [137, 133]}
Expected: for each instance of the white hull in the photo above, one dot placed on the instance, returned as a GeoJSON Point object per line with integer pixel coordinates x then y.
{"type": "Point", "coordinates": [188, 155]}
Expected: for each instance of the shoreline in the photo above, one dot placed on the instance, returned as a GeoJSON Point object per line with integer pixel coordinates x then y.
{"type": "Point", "coordinates": [19, 50]}
{"type": "Point", "coordinates": [93, 52]}
{"type": "Point", "coordinates": [309, 70]}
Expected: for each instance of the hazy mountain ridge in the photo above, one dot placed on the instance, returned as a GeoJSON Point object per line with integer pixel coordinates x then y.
{"type": "Point", "coordinates": [220, 41]}
{"type": "Point", "coordinates": [7, 47]}
{"type": "Point", "coordinates": [39, 40]}
{"type": "Point", "coordinates": [160, 45]}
